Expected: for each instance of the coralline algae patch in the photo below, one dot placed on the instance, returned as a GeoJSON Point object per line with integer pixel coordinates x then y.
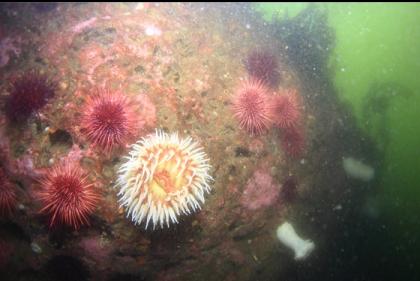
{"type": "Point", "coordinates": [169, 72]}
{"type": "Point", "coordinates": [114, 49]}
{"type": "Point", "coordinates": [260, 191]}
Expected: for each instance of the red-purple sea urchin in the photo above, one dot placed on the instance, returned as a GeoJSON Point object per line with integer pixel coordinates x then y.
{"type": "Point", "coordinates": [263, 65]}
{"type": "Point", "coordinates": [251, 106]}
{"type": "Point", "coordinates": [293, 141]}
{"type": "Point", "coordinates": [7, 195]}
{"type": "Point", "coordinates": [286, 112]}
{"type": "Point", "coordinates": [67, 196]}
{"type": "Point", "coordinates": [289, 189]}
{"type": "Point", "coordinates": [28, 94]}
{"type": "Point", "coordinates": [109, 119]}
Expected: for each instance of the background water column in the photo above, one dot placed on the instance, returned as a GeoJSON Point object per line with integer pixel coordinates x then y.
{"type": "Point", "coordinates": [375, 69]}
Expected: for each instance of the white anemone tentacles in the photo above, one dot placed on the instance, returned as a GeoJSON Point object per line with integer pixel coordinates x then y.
{"type": "Point", "coordinates": [164, 176]}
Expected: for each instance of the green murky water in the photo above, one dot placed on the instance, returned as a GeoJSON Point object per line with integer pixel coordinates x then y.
{"type": "Point", "coordinates": [375, 68]}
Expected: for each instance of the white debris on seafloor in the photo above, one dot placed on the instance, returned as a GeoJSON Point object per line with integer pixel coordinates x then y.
{"type": "Point", "coordinates": [356, 169]}
{"type": "Point", "coordinates": [139, 6]}
{"type": "Point", "coordinates": [81, 26]}
{"type": "Point", "coordinates": [152, 30]}
{"type": "Point", "coordinates": [288, 236]}
{"type": "Point", "coordinates": [36, 248]}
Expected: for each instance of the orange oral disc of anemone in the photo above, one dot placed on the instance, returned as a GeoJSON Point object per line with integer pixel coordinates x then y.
{"type": "Point", "coordinates": [164, 177]}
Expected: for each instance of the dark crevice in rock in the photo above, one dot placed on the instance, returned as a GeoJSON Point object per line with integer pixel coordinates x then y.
{"type": "Point", "coordinates": [67, 268]}
{"type": "Point", "coordinates": [242, 152]}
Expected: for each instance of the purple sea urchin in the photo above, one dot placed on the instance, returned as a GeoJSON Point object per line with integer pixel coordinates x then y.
{"type": "Point", "coordinates": [293, 141]}
{"type": "Point", "coordinates": [252, 107]}
{"type": "Point", "coordinates": [7, 195]}
{"type": "Point", "coordinates": [109, 119]}
{"type": "Point", "coordinates": [263, 65]}
{"type": "Point", "coordinates": [29, 93]}
{"type": "Point", "coordinates": [286, 109]}
{"type": "Point", "coordinates": [67, 196]}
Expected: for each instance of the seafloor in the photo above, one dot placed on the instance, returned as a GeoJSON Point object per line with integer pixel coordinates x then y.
{"type": "Point", "coordinates": [182, 64]}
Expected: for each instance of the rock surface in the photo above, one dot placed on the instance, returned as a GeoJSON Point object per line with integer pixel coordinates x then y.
{"type": "Point", "coordinates": [182, 63]}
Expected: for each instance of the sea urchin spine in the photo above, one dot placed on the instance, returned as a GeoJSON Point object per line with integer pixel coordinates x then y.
{"type": "Point", "coordinates": [28, 94]}
{"type": "Point", "coordinates": [252, 107]}
{"type": "Point", "coordinates": [67, 196]}
{"type": "Point", "coordinates": [109, 119]}
{"type": "Point", "coordinates": [293, 141]}
{"type": "Point", "coordinates": [164, 177]}
{"type": "Point", "coordinates": [263, 65]}
{"type": "Point", "coordinates": [286, 112]}
{"type": "Point", "coordinates": [7, 195]}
